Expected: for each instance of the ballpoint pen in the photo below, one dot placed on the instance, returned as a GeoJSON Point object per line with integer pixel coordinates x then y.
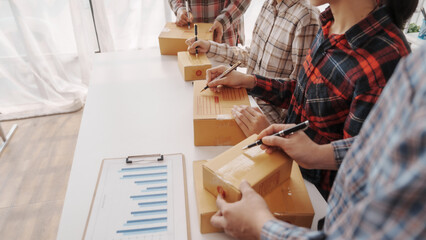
{"type": "Point", "coordinates": [224, 73]}
{"type": "Point", "coordinates": [301, 126]}
{"type": "Point", "coordinates": [187, 12]}
{"type": "Point", "coordinates": [196, 39]}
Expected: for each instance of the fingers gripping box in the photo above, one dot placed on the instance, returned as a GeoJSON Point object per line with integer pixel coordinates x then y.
{"type": "Point", "coordinates": [288, 202]}
{"type": "Point", "coordinates": [264, 172]}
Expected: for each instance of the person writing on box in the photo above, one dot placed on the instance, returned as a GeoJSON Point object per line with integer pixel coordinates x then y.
{"type": "Point", "coordinates": [282, 36]}
{"type": "Point", "coordinates": [380, 189]}
{"type": "Point", "coordinates": [354, 54]}
{"type": "Point", "coordinates": [226, 16]}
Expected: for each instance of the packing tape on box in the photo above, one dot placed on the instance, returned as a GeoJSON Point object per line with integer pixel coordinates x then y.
{"type": "Point", "coordinates": [223, 117]}
{"type": "Point", "coordinates": [236, 169]}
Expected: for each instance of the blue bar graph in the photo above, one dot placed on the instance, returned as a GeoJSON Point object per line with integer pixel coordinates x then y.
{"type": "Point", "coordinates": [145, 182]}
{"type": "Point", "coordinates": [159, 187]}
{"type": "Point", "coordinates": [147, 168]}
{"type": "Point", "coordinates": [143, 230]}
{"type": "Point", "coordinates": [146, 175]}
{"type": "Point", "coordinates": [153, 204]}
{"type": "Point", "coordinates": [152, 182]}
{"type": "Point", "coordinates": [149, 212]}
{"type": "Point", "coordinates": [149, 196]}
{"type": "Point", "coordinates": [155, 189]}
{"type": "Point", "coordinates": [146, 221]}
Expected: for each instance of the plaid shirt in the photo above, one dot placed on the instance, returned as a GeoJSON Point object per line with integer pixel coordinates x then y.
{"type": "Point", "coordinates": [282, 36]}
{"type": "Point", "coordinates": [227, 12]}
{"type": "Point", "coordinates": [380, 190]}
{"type": "Point", "coordinates": [341, 79]}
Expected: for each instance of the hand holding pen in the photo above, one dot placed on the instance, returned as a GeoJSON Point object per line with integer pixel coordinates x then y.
{"type": "Point", "coordinates": [299, 147]}
{"type": "Point", "coordinates": [222, 75]}
{"type": "Point", "coordinates": [285, 132]}
{"type": "Point", "coordinates": [184, 17]}
{"type": "Point", "coordinates": [234, 79]}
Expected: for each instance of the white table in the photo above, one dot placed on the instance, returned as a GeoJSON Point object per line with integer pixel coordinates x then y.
{"type": "Point", "coordinates": [138, 103]}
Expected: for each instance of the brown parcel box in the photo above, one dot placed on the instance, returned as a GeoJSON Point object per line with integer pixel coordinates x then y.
{"type": "Point", "coordinates": [289, 202]}
{"type": "Point", "coordinates": [193, 67]}
{"type": "Point", "coordinates": [213, 122]}
{"type": "Point", "coordinates": [172, 38]}
{"type": "Point", "coordinates": [264, 172]}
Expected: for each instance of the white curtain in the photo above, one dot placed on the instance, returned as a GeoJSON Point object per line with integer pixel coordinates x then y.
{"type": "Point", "coordinates": [44, 57]}
{"type": "Point", "coordinates": [130, 24]}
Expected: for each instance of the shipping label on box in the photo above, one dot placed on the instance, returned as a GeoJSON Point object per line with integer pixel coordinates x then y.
{"type": "Point", "coordinates": [193, 67]}
{"type": "Point", "coordinates": [214, 124]}
{"type": "Point", "coordinates": [288, 202]}
{"type": "Point", "coordinates": [172, 38]}
{"type": "Point", "coordinates": [264, 172]}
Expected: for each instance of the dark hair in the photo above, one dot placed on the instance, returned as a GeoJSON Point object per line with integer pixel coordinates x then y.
{"type": "Point", "coordinates": [401, 10]}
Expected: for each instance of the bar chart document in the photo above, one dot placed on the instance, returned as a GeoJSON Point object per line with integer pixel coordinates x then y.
{"type": "Point", "coordinates": [140, 197]}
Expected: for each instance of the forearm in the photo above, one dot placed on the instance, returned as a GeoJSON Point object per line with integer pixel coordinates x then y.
{"type": "Point", "coordinates": [224, 53]}
{"type": "Point", "coordinates": [175, 5]}
{"type": "Point", "coordinates": [323, 158]}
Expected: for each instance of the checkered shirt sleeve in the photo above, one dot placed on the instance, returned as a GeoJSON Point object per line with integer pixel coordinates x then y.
{"type": "Point", "coordinates": [340, 148]}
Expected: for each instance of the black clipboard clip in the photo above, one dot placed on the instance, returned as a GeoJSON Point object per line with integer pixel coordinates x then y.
{"type": "Point", "coordinates": [149, 157]}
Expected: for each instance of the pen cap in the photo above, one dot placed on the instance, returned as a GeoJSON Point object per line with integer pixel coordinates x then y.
{"type": "Point", "coordinates": [196, 29]}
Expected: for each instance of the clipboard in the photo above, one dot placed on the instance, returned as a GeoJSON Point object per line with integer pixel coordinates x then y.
{"type": "Point", "coordinates": [140, 197]}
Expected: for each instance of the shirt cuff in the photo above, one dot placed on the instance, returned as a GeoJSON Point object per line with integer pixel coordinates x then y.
{"type": "Point", "coordinates": [214, 48]}
{"type": "Point", "coordinates": [224, 21]}
{"type": "Point", "coordinates": [177, 9]}
{"type": "Point", "coordinates": [259, 86]}
{"type": "Point", "coordinates": [275, 229]}
{"type": "Point", "coordinates": [340, 148]}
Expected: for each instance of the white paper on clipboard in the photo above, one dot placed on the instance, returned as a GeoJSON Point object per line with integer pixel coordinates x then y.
{"type": "Point", "coordinates": [140, 197]}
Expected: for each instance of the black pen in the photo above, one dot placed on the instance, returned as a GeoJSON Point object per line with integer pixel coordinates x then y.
{"type": "Point", "coordinates": [301, 126]}
{"type": "Point", "coordinates": [196, 39]}
{"type": "Point", "coordinates": [224, 73]}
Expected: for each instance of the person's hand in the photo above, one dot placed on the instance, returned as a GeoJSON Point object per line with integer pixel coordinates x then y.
{"type": "Point", "coordinates": [202, 45]}
{"type": "Point", "coordinates": [251, 120]}
{"type": "Point", "coordinates": [217, 30]}
{"type": "Point", "coordinates": [234, 79]}
{"type": "Point", "coordinates": [299, 147]}
{"type": "Point", "coordinates": [243, 219]}
{"type": "Point", "coordinates": [182, 17]}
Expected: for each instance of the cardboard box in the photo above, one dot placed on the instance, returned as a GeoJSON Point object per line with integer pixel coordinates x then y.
{"type": "Point", "coordinates": [193, 67]}
{"type": "Point", "coordinates": [289, 202]}
{"type": "Point", "coordinates": [206, 202]}
{"type": "Point", "coordinates": [264, 172]}
{"type": "Point", "coordinates": [214, 124]}
{"type": "Point", "coordinates": [172, 38]}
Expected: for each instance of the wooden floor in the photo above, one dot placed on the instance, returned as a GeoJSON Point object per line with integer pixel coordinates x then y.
{"type": "Point", "coordinates": [34, 172]}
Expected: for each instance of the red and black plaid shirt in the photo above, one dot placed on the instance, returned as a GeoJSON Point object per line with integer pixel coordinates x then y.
{"type": "Point", "coordinates": [341, 79]}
